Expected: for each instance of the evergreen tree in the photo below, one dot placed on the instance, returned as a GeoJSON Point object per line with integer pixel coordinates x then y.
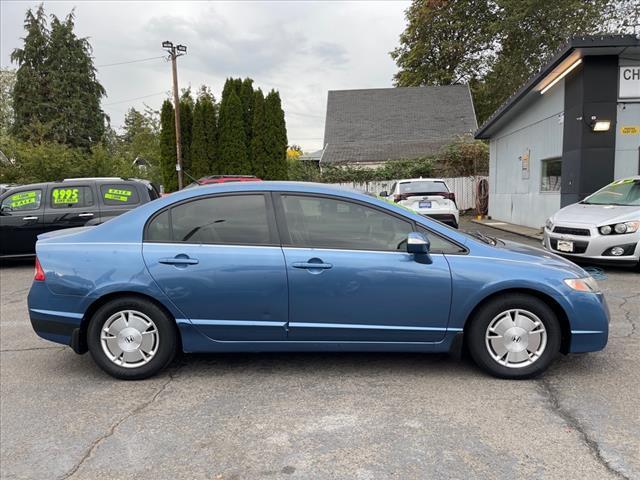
{"type": "Point", "coordinates": [63, 100]}
{"type": "Point", "coordinates": [246, 97]}
{"type": "Point", "coordinates": [232, 146]}
{"type": "Point", "coordinates": [186, 128]}
{"type": "Point", "coordinates": [259, 154]}
{"type": "Point", "coordinates": [31, 91]}
{"type": "Point", "coordinates": [203, 145]}
{"type": "Point", "coordinates": [276, 138]}
{"type": "Point", "coordinates": [168, 147]}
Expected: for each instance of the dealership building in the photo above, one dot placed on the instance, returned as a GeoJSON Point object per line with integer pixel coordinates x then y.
{"type": "Point", "coordinates": [571, 129]}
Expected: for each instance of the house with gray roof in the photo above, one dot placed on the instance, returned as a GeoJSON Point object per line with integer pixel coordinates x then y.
{"type": "Point", "coordinates": [370, 127]}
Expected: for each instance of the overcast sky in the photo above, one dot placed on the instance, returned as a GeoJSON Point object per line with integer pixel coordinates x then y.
{"type": "Point", "coordinates": [303, 49]}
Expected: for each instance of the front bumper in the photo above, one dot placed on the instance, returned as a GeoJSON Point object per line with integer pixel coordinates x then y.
{"type": "Point", "coordinates": [589, 319]}
{"type": "Point", "coordinates": [595, 247]}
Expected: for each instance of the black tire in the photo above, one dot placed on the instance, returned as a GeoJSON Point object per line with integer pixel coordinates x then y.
{"type": "Point", "coordinates": [477, 330]}
{"type": "Point", "coordinates": [166, 344]}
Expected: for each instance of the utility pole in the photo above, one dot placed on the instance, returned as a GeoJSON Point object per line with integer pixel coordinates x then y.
{"type": "Point", "coordinates": [176, 51]}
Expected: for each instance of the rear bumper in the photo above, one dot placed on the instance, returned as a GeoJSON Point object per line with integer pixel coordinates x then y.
{"type": "Point", "coordinates": [51, 319]}
{"type": "Point", "coordinates": [446, 218]}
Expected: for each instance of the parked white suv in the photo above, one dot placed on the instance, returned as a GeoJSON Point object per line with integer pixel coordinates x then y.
{"type": "Point", "coordinates": [603, 228]}
{"type": "Point", "coordinates": [430, 197]}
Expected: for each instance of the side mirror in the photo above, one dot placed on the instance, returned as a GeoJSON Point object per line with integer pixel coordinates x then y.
{"type": "Point", "coordinates": [384, 193]}
{"type": "Point", "coordinates": [417, 243]}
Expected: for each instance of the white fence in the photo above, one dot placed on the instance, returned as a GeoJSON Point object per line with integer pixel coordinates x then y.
{"type": "Point", "coordinates": [463, 187]}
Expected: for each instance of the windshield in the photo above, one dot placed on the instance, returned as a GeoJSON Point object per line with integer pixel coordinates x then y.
{"type": "Point", "coordinates": [622, 192]}
{"type": "Point", "coordinates": [423, 186]}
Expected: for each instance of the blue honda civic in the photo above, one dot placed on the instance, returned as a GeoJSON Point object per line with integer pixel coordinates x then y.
{"type": "Point", "coordinates": [279, 266]}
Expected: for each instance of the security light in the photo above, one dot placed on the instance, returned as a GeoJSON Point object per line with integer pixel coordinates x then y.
{"type": "Point", "coordinates": [182, 48]}
{"type": "Point", "coordinates": [600, 125]}
{"type": "Point", "coordinates": [167, 44]}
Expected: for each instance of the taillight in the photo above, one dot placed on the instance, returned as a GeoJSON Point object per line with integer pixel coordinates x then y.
{"type": "Point", "coordinates": [39, 273]}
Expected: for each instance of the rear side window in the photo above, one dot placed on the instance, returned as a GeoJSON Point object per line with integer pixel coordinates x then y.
{"type": "Point", "coordinates": [71, 197]}
{"type": "Point", "coordinates": [119, 194]}
{"type": "Point", "coordinates": [22, 201]}
{"type": "Point", "coordinates": [235, 219]}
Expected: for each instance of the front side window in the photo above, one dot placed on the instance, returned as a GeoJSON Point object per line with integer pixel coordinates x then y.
{"type": "Point", "coordinates": [331, 223]}
{"type": "Point", "coordinates": [622, 192]}
{"type": "Point", "coordinates": [551, 175]}
{"type": "Point", "coordinates": [235, 219]}
{"type": "Point", "coordinates": [119, 194]}
{"type": "Point", "coordinates": [22, 201]}
{"type": "Point", "coordinates": [71, 197]}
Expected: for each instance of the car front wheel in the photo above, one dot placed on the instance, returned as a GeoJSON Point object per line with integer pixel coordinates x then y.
{"type": "Point", "coordinates": [514, 336]}
{"type": "Point", "coordinates": [131, 338]}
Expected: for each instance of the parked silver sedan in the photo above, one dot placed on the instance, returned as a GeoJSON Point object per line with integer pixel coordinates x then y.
{"type": "Point", "coordinates": [603, 228]}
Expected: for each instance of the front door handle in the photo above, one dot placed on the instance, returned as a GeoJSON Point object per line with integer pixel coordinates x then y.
{"type": "Point", "coordinates": [29, 219]}
{"type": "Point", "coordinates": [312, 265]}
{"type": "Point", "coordinates": [179, 260]}
{"type": "Point", "coordinates": [85, 215]}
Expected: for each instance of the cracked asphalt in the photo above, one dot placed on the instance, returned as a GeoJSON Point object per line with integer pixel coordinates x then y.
{"type": "Point", "coordinates": [316, 416]}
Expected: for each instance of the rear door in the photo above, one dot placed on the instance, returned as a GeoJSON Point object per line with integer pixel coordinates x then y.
{"type": "Point", "coordinates": [219, 260]}
{"type": "Point", "coordinates": [117, 198]}
{"type": "Point", "coordinates": [70, 205]}
{"type": "Point", "coordinates": [21, 220]}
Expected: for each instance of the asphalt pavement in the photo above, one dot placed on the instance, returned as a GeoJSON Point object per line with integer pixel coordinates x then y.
{"type": "Point", "coordinates": [317, 416]}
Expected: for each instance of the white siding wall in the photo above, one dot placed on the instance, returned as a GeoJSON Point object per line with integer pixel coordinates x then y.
{"type": "Point", "coordinates": [627, 146]}
{"type": "Point", "coordinates": [539, 129]}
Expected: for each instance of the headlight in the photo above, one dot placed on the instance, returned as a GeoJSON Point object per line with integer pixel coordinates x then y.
{"type": "Point", "coordinates": [620, 228]}
{"type": "Point", "coordinates": [586, 284]}
{"type": "Point", "coordinates": [549, 224]}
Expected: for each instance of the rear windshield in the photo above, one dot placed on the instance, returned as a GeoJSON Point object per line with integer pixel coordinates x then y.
{"type": "Point", "coordinates": [423, 186]}
{"type": "Point", "coordinates": [622, 192]}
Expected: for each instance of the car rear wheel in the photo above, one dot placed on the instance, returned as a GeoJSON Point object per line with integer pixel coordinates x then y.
{"type": "Point", "coordinates": [131, 338]}
{"type": "Point", "coordinates": [514, 336]}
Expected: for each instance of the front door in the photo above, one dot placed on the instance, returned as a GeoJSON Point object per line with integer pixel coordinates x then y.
{"type": "Point", "coordinates": [218, 259]}
{"type": "Point", "coordinates": [21, 220]}
{"type": "Point", "coordinates": [350, 278]}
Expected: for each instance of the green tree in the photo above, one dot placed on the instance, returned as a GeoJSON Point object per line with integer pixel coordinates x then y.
{"type": "Point", "coordinates": [232, 148]}
{"type": "Point", "coordinates": [168, 147]}
{"type": "Point", "coordinates": [275, 138]}
{"type": "Point", "coordinates": [203, 145]}
{"type": "Point", "coordinates": [31, 90]}
{"type": "Point", "coordinates": [494, 45]}
{"type": "Point", "coordinates": [186, 127]}
{"type": "Point", "coordinates": [259, 154]}
{"type": "Point", "coordinates": [141, 140]}
{"type": "Point", "coordinates": [246, 97]}
{"type": "Point", "coordinates": [445, 42]}
{"type": "Point", "coordinates": [74, 91]}
{"type": "Point", "coordinates": [7, 83]}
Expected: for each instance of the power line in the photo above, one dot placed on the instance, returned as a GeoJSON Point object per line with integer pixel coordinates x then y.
{"type": "Point", "coordinates": [136, 98]}
{"type": "Point", "coordinates": [129, 61]}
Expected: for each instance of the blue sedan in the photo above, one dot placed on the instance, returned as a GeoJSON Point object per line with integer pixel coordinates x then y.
{"type": "Point", "coordinates": [279, 266]}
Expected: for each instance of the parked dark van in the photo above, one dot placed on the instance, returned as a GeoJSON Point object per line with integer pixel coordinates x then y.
{"type": "Point", "coordinates": [29, 210]}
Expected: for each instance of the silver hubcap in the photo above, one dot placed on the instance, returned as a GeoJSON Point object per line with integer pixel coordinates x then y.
{"type": "Point", "coordinates": [129, 338]}
{"type": "Point", "coordinates": [516, 338]}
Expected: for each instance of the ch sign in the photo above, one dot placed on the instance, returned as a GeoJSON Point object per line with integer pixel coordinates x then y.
{"type": "Point", "coordinates": [629, 82]}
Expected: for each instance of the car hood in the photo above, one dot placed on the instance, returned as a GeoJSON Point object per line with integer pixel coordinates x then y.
{"type": "Point", "coordinates": [537, 256]}
{"type": "Point", "coordinates": [595, 214]}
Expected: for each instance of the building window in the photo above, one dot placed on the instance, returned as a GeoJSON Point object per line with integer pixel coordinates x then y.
{"type": "Point", "coordinates": [551, 175]}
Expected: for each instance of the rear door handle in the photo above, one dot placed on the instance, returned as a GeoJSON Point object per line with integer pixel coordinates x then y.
{"type": "Point", "coordinates": [86, 215]}
{"type": "Point", "coordinates": [311, 265]}
{"type": "Point", "coordinates": [29, 218]}
{"type": "Point", "coordinates": [178, 261]}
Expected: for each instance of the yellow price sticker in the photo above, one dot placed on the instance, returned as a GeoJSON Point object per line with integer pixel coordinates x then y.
{"type": "Point", "coordinates": [21, 199]}
{"type": "Point", "coordinates": [118, 194]}
{"type": "Point", "coordinates": [65, 196]}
